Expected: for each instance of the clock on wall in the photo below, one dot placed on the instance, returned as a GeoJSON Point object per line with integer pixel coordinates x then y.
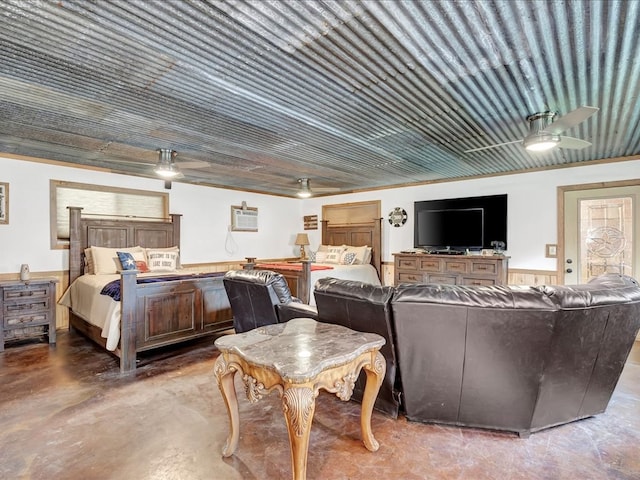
{"type": "Point", "coordinates": [398, 217]}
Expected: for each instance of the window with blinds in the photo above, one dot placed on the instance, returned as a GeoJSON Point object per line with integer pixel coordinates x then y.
{"type": "Point", "coordinates": [106, 202]}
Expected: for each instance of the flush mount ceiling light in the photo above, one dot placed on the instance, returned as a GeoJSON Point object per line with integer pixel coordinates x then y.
{"type": "Point", "coordinates": [305, 190]}
{"type": "Point", "coordinates": [166, 167]}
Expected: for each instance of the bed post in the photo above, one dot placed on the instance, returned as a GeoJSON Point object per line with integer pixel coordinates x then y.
{"type": "Point", "coordinates": [175, 221]}
{"type": "Point", "coordinates": [75, 249]}
{"type": "Point", "coordinates": [128, 284]}
{"type": "Point", "coordinates": [304, 286]}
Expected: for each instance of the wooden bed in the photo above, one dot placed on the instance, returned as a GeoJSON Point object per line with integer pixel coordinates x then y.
{"type": "Point", "coordinates": [153, 315]}
{"type": "Point", "coordinates": [298, 274]}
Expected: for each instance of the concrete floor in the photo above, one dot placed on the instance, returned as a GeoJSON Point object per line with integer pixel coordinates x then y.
{"type": "Point", "coordinates": [66, 413]}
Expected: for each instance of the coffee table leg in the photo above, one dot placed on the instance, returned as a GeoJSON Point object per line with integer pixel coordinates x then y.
{"type": "Point", "coordinates": [225, 377]}
{"type": "Point", "coordinates": [375, 374]}
{"type": "Point", "coordinates": [299, 404]}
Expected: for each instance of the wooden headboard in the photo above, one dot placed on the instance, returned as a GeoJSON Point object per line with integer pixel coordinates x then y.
{"type": "Point", "coordinates": [116, 233]}
{"type": "Point", "coordinates": [359, 234]}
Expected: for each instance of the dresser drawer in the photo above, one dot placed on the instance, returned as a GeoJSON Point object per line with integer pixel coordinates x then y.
{"type": "Point", "coordinates": [478, 281]}
{"type": "Point", "coordinates": [408, 263]}
{"type": "Point", "coordinates": [430, 265]}
{"type": "Point", "coordinates": [456, 266]}
{"type": "Point", "coordinates": [441, 279]}
{"type": "Point", "coordinates": [484, 268]}
{"type": "Point", "coordinates": [405, 277]}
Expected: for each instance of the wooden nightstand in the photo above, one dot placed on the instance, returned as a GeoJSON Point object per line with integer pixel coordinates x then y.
{"type": "Point", "coordinates": [27, 309]}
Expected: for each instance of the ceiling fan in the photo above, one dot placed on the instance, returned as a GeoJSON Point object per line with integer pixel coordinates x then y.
{"type": "Point", "coordinates": [305, 189]}
{"type": "Point", "coordinates": [166, 165]}
{"type": "Point", "coordinates": [545, 130]}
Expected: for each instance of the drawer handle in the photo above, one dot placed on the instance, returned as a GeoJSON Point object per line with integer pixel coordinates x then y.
{"type": "Point", "coordinates": [481, 267]}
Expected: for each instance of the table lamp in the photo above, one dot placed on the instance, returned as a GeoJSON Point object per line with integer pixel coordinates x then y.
{"type": "Point", "coordinates": [302, 239]}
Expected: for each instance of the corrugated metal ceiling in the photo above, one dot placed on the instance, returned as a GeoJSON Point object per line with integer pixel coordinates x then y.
{"type": "Point", "coordinates": [351, 94]}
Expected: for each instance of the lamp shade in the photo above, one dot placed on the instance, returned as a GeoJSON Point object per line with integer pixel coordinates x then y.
{"type": "Point", "coordinates": [302, 239]}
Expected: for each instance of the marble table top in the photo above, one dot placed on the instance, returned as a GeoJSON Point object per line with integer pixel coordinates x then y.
{"type": "Point", "coordinates": [301, 348]}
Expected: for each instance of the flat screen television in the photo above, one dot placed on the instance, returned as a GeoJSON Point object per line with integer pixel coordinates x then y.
{"type": "Point", "coordinates": [460, 223]}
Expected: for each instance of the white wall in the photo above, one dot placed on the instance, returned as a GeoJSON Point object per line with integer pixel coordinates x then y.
{"type": "Point", "coordinates": [532, 207]}
{"type": "Point", "coordinates": [206, 217]}
{"type": "Point", "coordinates": [206, 213]}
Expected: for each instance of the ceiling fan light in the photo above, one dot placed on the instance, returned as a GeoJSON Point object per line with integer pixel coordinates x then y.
{"type": "Point", "coordinates": [305, 191]}
{"type": "Point", "coordinates": [541, 143]}
{"type": "Point", "coordinates": [166, 168]}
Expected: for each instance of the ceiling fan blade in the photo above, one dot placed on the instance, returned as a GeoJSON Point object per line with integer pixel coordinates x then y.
{"type": "Point", "coordinates": [571, 119]}
{"type": "Point", "coordinates": [573, 143]}
{"type": "Point", "coordinates": [195, 164]}
{"type": "Point", "coordinates": [492, 146]}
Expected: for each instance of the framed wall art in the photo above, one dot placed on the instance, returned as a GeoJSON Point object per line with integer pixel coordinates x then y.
{"type": "Point", "coordinates": [4, 203]}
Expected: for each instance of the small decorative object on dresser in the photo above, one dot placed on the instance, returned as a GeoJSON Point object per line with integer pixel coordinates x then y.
{"type": "Point", "coordinates": [24, 272]}
{"type": "Point", "coordinates": [27, 309]}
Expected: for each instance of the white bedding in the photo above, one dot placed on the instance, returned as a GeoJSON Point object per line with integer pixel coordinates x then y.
{"type": "Point", "coordinates": [362, 273]}
{"type": "Point", "coordinates": [84, 298]}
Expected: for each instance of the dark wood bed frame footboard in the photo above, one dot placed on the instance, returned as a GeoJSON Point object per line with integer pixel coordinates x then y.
{"type": "Point", "coordinates": [153, 315]}
{"type": "Point", "coordinates": [357, 235]}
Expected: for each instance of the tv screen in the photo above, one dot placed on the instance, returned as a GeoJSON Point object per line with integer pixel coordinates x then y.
{"type": "Point", "coordinates": [460, 223]}
{"type": "Point", "coordinates": [455, 228]}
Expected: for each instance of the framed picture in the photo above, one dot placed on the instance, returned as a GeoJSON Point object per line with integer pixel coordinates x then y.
{"type": "Point", "coordinates": [551, 250]}
{"type": "Point", "coordinates": [4, 203]}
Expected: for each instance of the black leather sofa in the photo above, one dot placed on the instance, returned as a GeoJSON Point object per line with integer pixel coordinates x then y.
{"type": "Point", "coordinates": [262, 297]}
{"type": "Point", "coordinates": [511, 358]}
{"type": "Point", "coordinates": [365, 308]}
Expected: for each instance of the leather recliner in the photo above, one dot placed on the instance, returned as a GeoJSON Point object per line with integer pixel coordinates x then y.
{"type": "Point", "coordinates": [262, 297]}
{"type": "Point", "coordinates": [366, 308]}
{"type": "Point", "coordinates": [513, 358]}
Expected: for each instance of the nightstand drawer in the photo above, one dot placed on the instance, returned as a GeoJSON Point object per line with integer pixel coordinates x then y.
{"type": "Point", "coordinates": [26, 320]}
{"type": "Point", "coordinates": [25, 291]}
{"type": "Point", "coordinates": [26, 305]}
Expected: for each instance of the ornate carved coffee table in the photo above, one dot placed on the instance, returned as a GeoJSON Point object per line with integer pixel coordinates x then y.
{"type": "Point", "coordinates": [297, 359]}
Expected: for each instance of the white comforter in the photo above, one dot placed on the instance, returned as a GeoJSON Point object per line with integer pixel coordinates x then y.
{"type": "Point", "coordinates": [361, 273]}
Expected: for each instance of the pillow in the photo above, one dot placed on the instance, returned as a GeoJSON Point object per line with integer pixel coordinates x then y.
{"type": "Point", "coordinates": [321, 257]}
{"type": "Point", "coordinates": [162, 260]}
{"type": "Point", "coordinates": [167, 249]}
{"type": "Point", "coordinates": [88, 262]}
{"type": "Point", "coordinates": [106, 261]}
{"type": "Point", "coordinates": [127, 261]}
{"type": "Point", "coordinates": [360, 254]}
{"type": "Point", "coordinates": [334, 254]}
{"type": "Point", "coordinates": [367, 256]}
{"type": "Point", "coordinates": [312, 257]}
{"type": "Point", "coordinates": [347, 258]}
{"type": "Point", "coordinates": [142, 266]}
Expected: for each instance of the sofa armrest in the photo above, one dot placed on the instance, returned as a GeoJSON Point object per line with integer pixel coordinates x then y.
{"type": "Point", "coordinates": [287, 311]}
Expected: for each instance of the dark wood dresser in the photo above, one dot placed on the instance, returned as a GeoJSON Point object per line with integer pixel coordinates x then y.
{"type": "Point", "coordinates": [450, 269]}
{"type": "Point", "coordinates": [27, 309]}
